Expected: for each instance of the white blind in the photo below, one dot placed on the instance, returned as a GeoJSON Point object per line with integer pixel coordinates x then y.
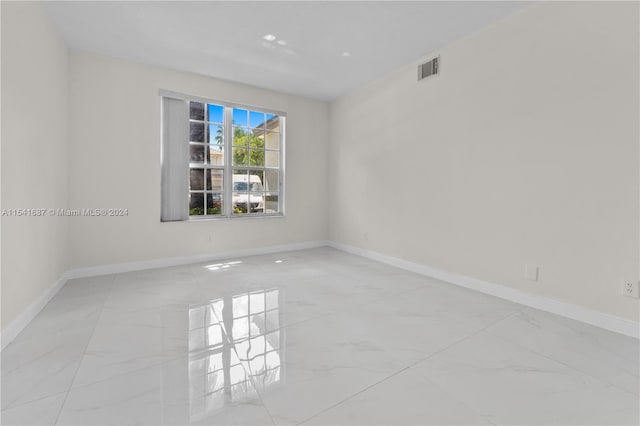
{"type": "Point", "coordinates": [175, 160]}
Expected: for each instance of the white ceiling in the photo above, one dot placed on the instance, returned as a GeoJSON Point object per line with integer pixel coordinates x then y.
{"type": "Point", "coordinates": [225, 39]}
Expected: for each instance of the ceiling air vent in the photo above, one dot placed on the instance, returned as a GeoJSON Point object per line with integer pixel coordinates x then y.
{"type": "Point", "coordinates": [428, 68]}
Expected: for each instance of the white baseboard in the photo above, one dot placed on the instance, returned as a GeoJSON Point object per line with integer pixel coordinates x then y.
{"type": "Point", "coordinates": [185, 260]}
{"type": "Point", "coordinates": [589, 316]}
{"type": "Point", "coordinates": [14, 328]}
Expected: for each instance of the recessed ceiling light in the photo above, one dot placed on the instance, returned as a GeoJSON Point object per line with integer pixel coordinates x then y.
{"type": "Point", "coordinates": [269, 37]}
{"type": "Point", "coordinates": [282, 42]}
{"type": "Point", "coordinates": [345, 54]}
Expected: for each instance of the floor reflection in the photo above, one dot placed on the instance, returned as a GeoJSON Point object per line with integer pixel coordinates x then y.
{"type": "Point", "coordinates": [220, 375]}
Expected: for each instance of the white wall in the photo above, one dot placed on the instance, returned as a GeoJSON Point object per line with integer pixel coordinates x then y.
{"type": "Point", "coordinates": [114, 162]}
{"type": "Point", "coordinates": [34, 155]}
{"type": "Point", "coordinates": [523, 151]}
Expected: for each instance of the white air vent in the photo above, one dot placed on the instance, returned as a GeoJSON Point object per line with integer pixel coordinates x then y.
{"type": "Point", "coordinates": [428, 68]}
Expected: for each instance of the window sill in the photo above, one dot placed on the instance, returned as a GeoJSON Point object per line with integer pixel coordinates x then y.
{"type": "Point", "coordinates": [234, 217]}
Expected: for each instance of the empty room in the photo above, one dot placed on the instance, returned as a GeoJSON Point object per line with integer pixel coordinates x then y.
{"type": "Point", "coordinates": [320, 213]}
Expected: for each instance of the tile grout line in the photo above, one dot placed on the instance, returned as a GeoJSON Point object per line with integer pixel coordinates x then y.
{"type": "Point", "coordinates": [199, 280]}
{"type": "Point", "coordinates": [461, 402]}
{"type": "Point", "coordinates": [233, 347]}
{"type": "Point", "coordinates": [11, 407]}
{"type": "Point", "coordinates": [407, 368]}
{"type": "Point", "coordinates": [464, 338]}
{"type": "Point", "coordinates": [418, 287]}
{"type": "Point", "coordinates": [375, 299]}
{"type": "Point", "coordinates": [117, 375]}
{"type": "Point", "coordinates": [137, 370]}
{"type": "Point", "coordinates": [84, 352]}
{"type": "Point", "coordinates": [486, 329]}
{"type": "Point", "coordinates": [354, 395]}
{"type": "Point", "coordinates": [550, 358]}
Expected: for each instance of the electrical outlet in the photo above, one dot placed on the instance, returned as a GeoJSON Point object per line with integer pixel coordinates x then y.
{"type": "Point", "coordinates": [630, 289]}
{"type": "Point", "coordinates": [531, 272]}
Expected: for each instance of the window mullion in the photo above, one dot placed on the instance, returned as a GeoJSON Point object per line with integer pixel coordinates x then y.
{"type": "Point", "coordinates": [228, 172]}
{"type": "Point", "coordinates": [207, 155]}
{"type": "Point", "coordinates": [281, 169]}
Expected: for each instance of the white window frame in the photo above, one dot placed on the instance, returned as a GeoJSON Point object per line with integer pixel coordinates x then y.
{"type": "Point", "coordinates": [228, 167]}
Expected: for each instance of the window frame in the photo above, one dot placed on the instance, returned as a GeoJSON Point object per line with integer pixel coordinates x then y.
{"type": "Point", "coordinates": [228, 167]}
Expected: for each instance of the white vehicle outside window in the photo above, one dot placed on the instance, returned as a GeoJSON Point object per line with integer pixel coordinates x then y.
{"type": "Point", "coordinates": [248, 194]}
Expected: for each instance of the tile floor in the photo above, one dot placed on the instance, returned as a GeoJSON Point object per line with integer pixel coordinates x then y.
{"type": "Point", "coordinates": [308, 337]}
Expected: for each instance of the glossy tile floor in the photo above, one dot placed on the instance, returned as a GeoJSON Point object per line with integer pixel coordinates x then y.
{"type": "Point", "coordinates": [308, 337]}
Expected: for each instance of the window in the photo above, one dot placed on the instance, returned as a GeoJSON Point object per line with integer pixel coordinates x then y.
{"type": "Point", "coordinates": [234, 156]}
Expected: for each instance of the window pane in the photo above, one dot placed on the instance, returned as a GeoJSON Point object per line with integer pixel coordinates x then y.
{"type": "Point", "coordinates": [197, 153]}
{"type": "Point", "coordinates": [273, 123]}
{"type": "Point", "coordinates": [271, 202]}
{"type": "Point", "coordinates": [216, 113]}
{"type": "Point", "coordinates": [239, 117]}
{"type": "Point", "coordinates": [256, 202]}
{"type": "Point", "coordinates": [196, 182]}
{"type": "Point", "coordinates": [273, 140]}
{"type": "Point", "coordinates": [196, 111]}
{"type": "Point", "coordinates": [240, 179]}
{"type": "Point", "coordinates": [256, 119]}
{"type": "Point", "coordinates": [272, 159]}
{"type": "Point", "coordinates": [216, 155]}
{"type": "Point", "coordinates": [256, 140]}
{"type": "Point", "coordinates": [240, 202]}
{"type": "Point", "coordinates": [256, 180]}
{"type": "Point", "coordinates": [256, 195]}
{"type": "Point", "coordinates": [270, 182]}
{"type": "Point", "coordinates": [257, 158]}
{"type": "Point", "coordinates": [214, 179]}
{"type": "Point", "coordinates": [196, 204]}
{"type": "Point", "coordinates": [196, 132]}
{"type": "Point", "coordinates": [258, 135]}
{"type": "Point", "coordinates": [240, 137]}
{"type": "Point", "coordinates": [240, 157]}
{"type": "Point", "coordinates": [240, 190]}
{"type": "Point", "coordinates": [216, 134]}
{"type": "Point", "coordinates": [214, 203]}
